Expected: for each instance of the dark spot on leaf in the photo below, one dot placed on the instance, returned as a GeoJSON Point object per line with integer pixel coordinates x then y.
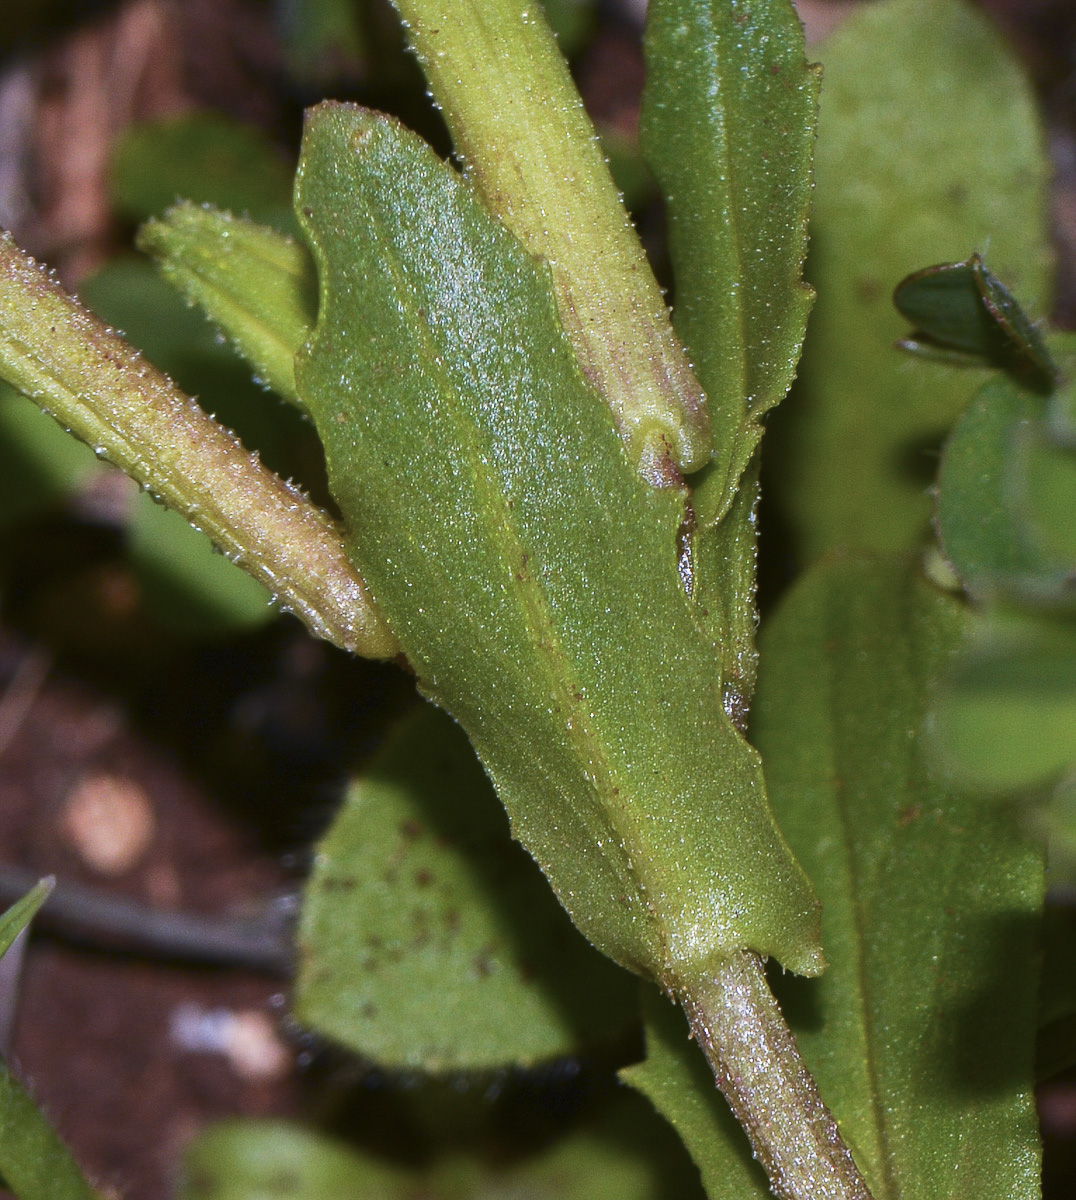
{"type": "Point", "coordinates": [423, 878]}
{"type": "Point", "coordinates": [868, 290]}
{"type": "Point", "coordinates": [410, 829]}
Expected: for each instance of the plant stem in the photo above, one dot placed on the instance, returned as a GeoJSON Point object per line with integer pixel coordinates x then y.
{"type": "Point", "coordinates": [520, 128]}
{"type": "Point", "coordinates": [100, 389]}
{"type": "Point", "coordinates": [757, 1065]}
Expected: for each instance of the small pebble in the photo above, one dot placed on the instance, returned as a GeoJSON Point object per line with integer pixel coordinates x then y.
{"type": "Point", "coordinates": [110, 822]}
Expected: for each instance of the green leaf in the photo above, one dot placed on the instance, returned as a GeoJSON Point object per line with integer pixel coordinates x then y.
{"type": "Point", "coordinates": [20, 914]}
{"type": "Point", "coordinates": [185, 582]}
{"type": "Point", "coordinates": [256, 284]}
{"type": "Point", "coordinates": [204, 157]}
{"type": "Point", "coordinates": [674, 1076]}
{"type": "Point", "coordinates": [624, 1157]}
{"type": "Point", "coordinates": [131, 295]}
{"type": "Point", "coordinates": [1004, 498]}
{"type": "Point", "coordinates": [42, 464]}
{"type": "Point", "coordinates": [928, 149]}
{"type": "Point", "coordinates": [530, 575]}
{"type": "Point", "coordinates": [727, 127]}
{"type": "Point", "coordinates": [34, 1163]}
{"type": "Point", "coordinates": [1005, 713]}
{"type": "Point", "coordinates": [921, 1033]}
{"type": "Point", "coordinates": [964, 309]}
{"type": "Point", "coordinates": [418, 891]}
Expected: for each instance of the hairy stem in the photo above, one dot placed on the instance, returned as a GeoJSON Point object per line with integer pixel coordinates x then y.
{"type": "Point", "coordinates": [754, 1057]}
{"type": "Point", "coordinates": [520, 128]}
{"type": "Point", "coordinates": [104, 392]}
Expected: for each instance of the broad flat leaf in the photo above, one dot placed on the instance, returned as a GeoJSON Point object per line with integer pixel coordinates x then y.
{"type": "Point", "coordinates": [674, 1076]}
{"type": "Point", "coordinates": [921, 1032]}
{"type": "Point", "coordinates": [1004, 716]}
{"type": "Point", "coordinates": [418, 891]}
{"type": "Point", "coordinates": [928, 149]}
{"type": "Point", "coordinates": [982, 498]}
{"type": "Point", "coordinates": [963, 308]}
{"type": "Point", "coordinates": [727, 127]}
{"type": "Point", "coordinates": [529, 574]}
{"type": "Point", "coordinates": [204, 157]}
{"type": "Point", "coordinates": [626, 1157]}
{"type": "Point", "coordinates": [19, 915]}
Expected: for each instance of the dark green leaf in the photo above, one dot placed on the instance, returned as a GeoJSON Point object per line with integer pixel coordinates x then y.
{"type": "Point", "coordinates": [928, 148]}
{"type": "Point", "coordinates": [42, 463]}
{"type": "Point", "coordinates": [626, 1157]}
{"type": "Point", "coordinates": [418, 891]}
{"type": "Point", "coordinates": [676, 1079]}
{"type": "Point", "coordinates": [185, 582]}
{"type": "Point", "coordinates": [204, 157]}
{"type": "Point", "coordinates": [728, 129]}
{"type": "Point", "coordinates": [530, 575]}
{"type": "Point", "coordinates": [962, 307]}
{"type": "Point", "coordinates": [921, 1033]}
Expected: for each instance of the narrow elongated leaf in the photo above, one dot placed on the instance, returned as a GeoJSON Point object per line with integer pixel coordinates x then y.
{"type": "Point", "coordinates": [728, 129]}
{"type": "Point", "coordinates": [675, 1078]}
{"type": "Point", "coordinates": [33, 1161]}
{"type": "Point", "coordinates": [928, 150]}
{"type": "Point", "coordinates": [19, 915]}
{"type": "Point", "coordinates": [418, 891]}
{"type": "Point", "coordinates": [530, 575]}
{"type": "Point", "coordinates": [256, 284]}
{"type": "Point", "coordinates": [921, 1033]}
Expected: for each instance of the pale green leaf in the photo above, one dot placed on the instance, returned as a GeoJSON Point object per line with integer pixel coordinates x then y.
{"type": "Point", "coordinates": [986, 529]}
{"type": "Point", "coordinates": [675, 1077]}
{"type": "Point", "coordinates": [929, 149]}
{"type": "Point", "coordinates": [256, 284]}
{"type": "Point", "coordinates": [530, 575]}
{"type": "Point", "coordinates": [1004, 715]}
{"type": "Point", "coordinates": [418, 891]}
{"type": "Point", "coordinates": [921, 1033]}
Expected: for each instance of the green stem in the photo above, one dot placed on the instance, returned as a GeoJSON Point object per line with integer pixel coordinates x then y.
{"type": "Point", "coordinates": [101, 390]}
{"type": "Point", "coordinates": [757, 1065]}
{"type": "Point", "coordinates": [518, 124]}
